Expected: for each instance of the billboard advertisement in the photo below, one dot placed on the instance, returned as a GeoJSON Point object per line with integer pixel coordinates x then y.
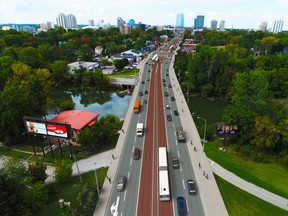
{"type": "Point", "coordinates": [226, 129]}
{"type": "Point", "coordinates": [57, 130]}
{"type": "Point", "coordinates": [36, 127]}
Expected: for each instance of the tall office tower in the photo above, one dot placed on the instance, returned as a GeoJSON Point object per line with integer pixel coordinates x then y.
{"type": "Point", "coordinates": [120, 21]}
{"type": "Point", "coordinates": [278, 25]}
{"type": "Point", "coordinates": [222, 25]}
{"type": "Point", "coordinates": [61, 20]}
{"type": "Point", "coordinates": [199, 22]}
{"type": "Point", "coordinates": [180, 21]}
{"type": "Point", "coordinates": [91, 22]}
{"type": "Point", "coordinates": [214, 24]}
{"type": "Point", "coordinates": [71, 21]}
{"type": "Point", "coordinates": [263, 26]}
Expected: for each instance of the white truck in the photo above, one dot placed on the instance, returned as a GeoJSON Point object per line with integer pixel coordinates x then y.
{"type": "Point", "coordinates": [139, 129]}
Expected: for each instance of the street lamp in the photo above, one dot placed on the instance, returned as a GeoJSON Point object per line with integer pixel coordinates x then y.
{"type": "Point", "coordinates": [204, 138]}
{"type": "Point", "coordinates": [96, 178]}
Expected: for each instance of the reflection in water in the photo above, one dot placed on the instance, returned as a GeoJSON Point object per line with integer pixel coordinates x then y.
{"type": "Point", "coordinates": [98, 102]}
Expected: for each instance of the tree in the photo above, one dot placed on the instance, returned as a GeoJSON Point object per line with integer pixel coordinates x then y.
{"type": "Point", "coordinates": [63, 170]}
{"type": "Point", "coordinates": [265, 134]}
{"type": "Point", "coordinates": [30, 56]}
{"type": "Point", "coordinates": [59, 73]}
{"type": "Point", "coordinates": [37, 172]}
{"type": "Point", "coordinates": [36, 196]}
{"type": "Point", "coordinates": [120, 63]}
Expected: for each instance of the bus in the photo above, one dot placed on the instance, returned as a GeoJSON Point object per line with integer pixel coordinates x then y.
{"type": "Point", "coordinates": [137, 106]}
{"type": "Point", "coordinates": [164, 188]}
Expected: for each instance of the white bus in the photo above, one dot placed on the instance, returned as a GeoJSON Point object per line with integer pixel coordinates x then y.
{"type": "Point", "coordinates": [164, 188]}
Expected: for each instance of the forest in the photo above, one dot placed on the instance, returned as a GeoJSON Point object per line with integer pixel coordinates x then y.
{"type": "Point", "coordinates": [249, 70]}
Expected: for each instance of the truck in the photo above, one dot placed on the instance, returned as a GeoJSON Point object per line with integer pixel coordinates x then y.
{"type": "Point", "coordinates": [137, 106]}
{"type": "Point", "coordinates": [140, 129]}
{"type": "Point", "coordinates": [180, 134]}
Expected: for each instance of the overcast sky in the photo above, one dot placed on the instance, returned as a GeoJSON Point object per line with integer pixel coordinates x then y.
{"type": "Point", "coordinates": [236, 13]}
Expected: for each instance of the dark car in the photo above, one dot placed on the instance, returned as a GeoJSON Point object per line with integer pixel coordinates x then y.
{"type": "Point", "coordinates": [191, 187]}
{"type": "Point", "coordinates": [121, 183]}
{"type": "Point", "coordinates": [136, 154]}
{"type": "Point", "coordinates": [172, 98]}
{"type": "Point", "coordinates": [164, 84]}
{"type": "Point", "coordinates": [169, 118]}
{"type": "Point", "coordinates": [170, 86]}
{"type": "Point", "coordinates": [166, 94]}
{"type": "Point", "coordinates": [146, 91]}
{"type": "Point", "coordinates": [145, 101]}
{"type": "Point", "coordinates": [143, 82]}
{"type": "Point", "coordinates": [175, 163]}
{"type": "Point", "coordinates": [181, 206]}
{"type": "Point", "coordinates": [140, 93]}
{"type": "Point", "coordinates": [164, 80]}
{"type": "Point", "coordinates": [167, 74]}
{"type": "Point", "coordinates": [176, 113]}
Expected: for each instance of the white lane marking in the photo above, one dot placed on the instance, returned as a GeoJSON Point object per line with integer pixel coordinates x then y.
{"type": "Point", "coordinates": [121, 213]}
{"type": "Point", "coordinates": [181, 168]}
{"type": "Point", "coordinates": [130, 161]}
{"type": "Point", "coordinates": [183, 184]}
{"type": "Point", "coordinates": [114, 207]}
{"type": "Point", "coordinates": [178, 153]}
{"type": "Point", "coordinates": [125, 195]}
{"type": "Point", "coordinates": [128, 176]}
{"type": "Point", "coordinates": [187, 205]}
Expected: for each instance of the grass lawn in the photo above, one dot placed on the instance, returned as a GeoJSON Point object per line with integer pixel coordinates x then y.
{"type": "Point", "coordinates": [69, 191]}
{"type": "Point", "coordinates": [126, 73]}
{"type": "Point", "coordinates": [239, 202]}
{"type": "Point", "coordinates": [270, 176]}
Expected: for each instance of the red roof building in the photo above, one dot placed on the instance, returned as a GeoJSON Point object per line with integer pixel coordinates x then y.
{"type": "Point", "coordinates": [78, 119]}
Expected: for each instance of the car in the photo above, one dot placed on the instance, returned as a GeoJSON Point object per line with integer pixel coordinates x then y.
{"type": "Point", "coordinates": [143, 82]}
{"type": "Point", "coordinates": [146, 91]}
{"type": "Point", "coordinates": [148, 79]}
{"type": "Point", "coordinates": [175, 163]}
{"type": "Point", "coordinates": [140, 94]}
{"type": "Point", "coordinates": [164, 84]}
{"type": "Point", "coordinates": [181, 206]}
{"type": "Point", "coordinates": [167, 107]}
{"type": "Point", "coordinates": [169, 117]}
{"type": "Point", "coordinates": [170, 86]}
{"type": "Point", "coordinates": [148, 71]}
{"type": "Point", "coordinates": [166, 94]}
{"type": "Point", "coordinates": [145, 101]}
{"type": "Point", "coordinates": [164, 80]}
{"type": "Point", "coordinates": [176, 113]}
{"type": "Point", "coordinates": [136, 154]}
{"type": "Point", "coordinates": [167, 74]}
{"type": "Point", "coordinates": [172, 98]}
{"type": "Point", "coordinates": [121, 183]}
{"type": "Point", "coordinates": [191, 187]}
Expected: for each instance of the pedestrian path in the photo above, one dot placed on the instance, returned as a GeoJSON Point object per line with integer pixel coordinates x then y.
{"type": "Point", "coordinates": [249, 187]}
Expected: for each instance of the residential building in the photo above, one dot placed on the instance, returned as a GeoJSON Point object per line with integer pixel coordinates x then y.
{"type": "Point", "coordinates": [91, 22]}
{"type": "Point", "coordinates": [88, 65]}
{"type": "Point", "coordinates": [61, 20]}
{"type": "Point", "coordinates": [71, 21]}
{"type": "Point", "coordinates": [199, 22]}
{"type": "Point", "coordinates": [222, 25]}
{"type": "Point", "coordinates": [278, 25]}
{"type": "Point", "coordinates": [263, 26]}
{"type": "Point", "coordinates": [125, 29]}
{"type": "Point", "coordinates": [214, 24]}
{"type": "Point", "coordinates": [180, 20]}
{"type": "Point", "coordinates": [46, 26]}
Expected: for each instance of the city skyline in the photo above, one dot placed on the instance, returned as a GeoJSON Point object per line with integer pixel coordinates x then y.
{"type": "Point", "coordinates": [243, 14]}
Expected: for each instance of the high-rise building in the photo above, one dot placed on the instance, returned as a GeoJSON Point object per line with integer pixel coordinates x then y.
{"type": "Point", "coordinates": [222, 25]}
{"type": "Point", "coordinates": [278, 25]}
{"type": "Point", "coordinates": [71, 21]}
{"type": "Point", "coordinates": [199, 22]}
{"type": "Point", "coordinates": [263, 26]}
{"type": "Point", "coordinates": [214, 24]}
{"type": "Point", "coordinates": [61, 20]}
{"type": "Point", "coordinates": [180, 20]}
{"type": "Point", "coordinates": [120, 21]}
{"type": "Point", "coordinates": [91, 22]}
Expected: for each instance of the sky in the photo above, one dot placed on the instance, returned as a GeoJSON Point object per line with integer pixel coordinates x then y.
{"type": "Point", "coordinates": [238, 14]}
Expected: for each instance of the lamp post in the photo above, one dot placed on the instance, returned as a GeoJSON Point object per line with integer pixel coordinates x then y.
{"type": "Point", "coordinates": [96, 178]}
{"type": "Point", "coordinates": [204, 138]}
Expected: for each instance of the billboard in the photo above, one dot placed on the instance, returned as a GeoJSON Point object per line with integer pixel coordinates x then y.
{"type": "Point", "coordinates": [36, 127]}
{"type": "Point", "coordinates": [226, 129]}
{"type": "Point", "coordinates": [44, 128]}
{"type": "Point", "coordinates": [57, 130]}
